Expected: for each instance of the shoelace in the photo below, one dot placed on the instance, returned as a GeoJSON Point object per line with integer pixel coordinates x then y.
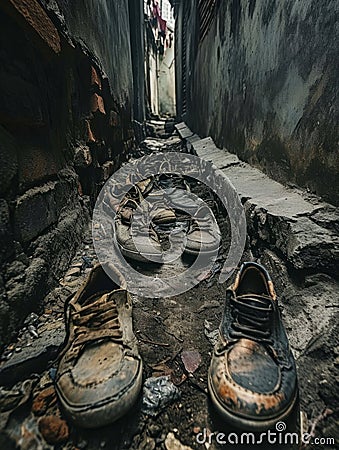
{"type": "Point", "coordinates": [165, 181]}
{"type": "Point", "coordinates": [201, 225]}
{"type": "Point", "coordinates": [204, 224]}
{"type": "Point", "coordinates": [252, 315]}
{"type": "Point", "coordinates": [98, 319]}
{"type": "Point", "coordinates": [126, 209]}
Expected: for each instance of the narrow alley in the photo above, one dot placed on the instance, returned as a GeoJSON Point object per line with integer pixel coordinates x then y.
{"type": "Point", "coordinates": [172, 145]}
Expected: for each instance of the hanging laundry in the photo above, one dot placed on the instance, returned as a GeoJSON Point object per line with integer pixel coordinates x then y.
{"type": "Point", "coordinates": [156, 9]}
{"type": "Point", "coordinates": [162, 25]}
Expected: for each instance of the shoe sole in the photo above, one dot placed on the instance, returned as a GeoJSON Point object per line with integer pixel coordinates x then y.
{"type": "Point", "coordinates": [248, 424]}
{"type": "Point", "coordinates": [198, 252]}
{"type": "Point", "coordinates": [136, 256]}
{"type": "Point", "coordinates": [107, 412]}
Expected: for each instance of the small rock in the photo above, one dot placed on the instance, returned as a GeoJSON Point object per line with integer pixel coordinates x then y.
{"type": "Point", "coordinates": [78, 264]}
{"type": "Point", "coordinates": [73, 272]}
{"type": "Point", "coordinates": [147, 443]}
{"type": "Point", "coordinates": [53, 429]}
{"type": "Point", "coordinates": [191, 360]}
{"type": "Point", "coordinates": [43, 400]}
{"type": "Point", "coordinates": [208, 305]}
{"type": "Point", "coordinates": [212, 335]}
{"type": "Point", "coordinates": [172, 443]}
{"type": "Point", "coordinates": [31, 319]}
{"type": "Point", "coordinates": [32, 330]}
{"type": "Point", "coordinates": [35, 358]}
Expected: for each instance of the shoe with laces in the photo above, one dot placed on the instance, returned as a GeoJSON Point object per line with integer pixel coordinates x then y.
{"type": "Point", "coordinates": [252, 377]}
{"type": "Point", "coordinates": [167, 198]}
{"type": "Point", "coordinates": [177, 194]}
{"type": "Point", "coordinates": [204, 234]}
{"type": "Point", "coordinates": [147, 194]}
{"type": "Point", "coordinates": [99, 375]}
{"type": "Point", "coordinates": [137, 239]}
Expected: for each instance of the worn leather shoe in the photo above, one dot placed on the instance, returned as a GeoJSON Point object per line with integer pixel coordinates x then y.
{"type": "Point", "coordinates": [252, 377]}
{"type": "Point", "coordinates": [204, 234]}
{"type": "Point", "coordinates": [99, 375]}
{"type": "Point", "coordinates": [135, 234]}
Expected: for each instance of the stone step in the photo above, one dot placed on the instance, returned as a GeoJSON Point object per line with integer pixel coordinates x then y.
{"type": "Point", "coordinates": [280, 217]}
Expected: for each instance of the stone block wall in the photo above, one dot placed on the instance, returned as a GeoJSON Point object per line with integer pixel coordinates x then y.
{"type": "Point", "coordinates": [65, 126]}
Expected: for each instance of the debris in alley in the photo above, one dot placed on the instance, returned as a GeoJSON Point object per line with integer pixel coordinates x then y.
{"type": "Point", "coordinates": [157, 394]}
{"type": "Point", "coordinates": [210, 332]}
{"type": "Point", "coordinates": [172, 443]}
{"type": "Point", "coordinates": [12, 399]}
{"type": "Point", "coordinates": [44, 400]}
{"type": "Point", "coordinates": [53, 429]}
{"type": "Point", "coordinates": [35, 357]}
{"type": "Point", "coordinates": [191, 360]}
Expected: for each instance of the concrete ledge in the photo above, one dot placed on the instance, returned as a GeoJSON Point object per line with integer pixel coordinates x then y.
{"type": "Point", "coordinates": [183, 130]}
{"type": "Point", "coordinates": [279, 217]}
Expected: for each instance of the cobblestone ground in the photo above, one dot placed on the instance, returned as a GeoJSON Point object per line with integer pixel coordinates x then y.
{"type": "Point", "coordinates": [165, 328]}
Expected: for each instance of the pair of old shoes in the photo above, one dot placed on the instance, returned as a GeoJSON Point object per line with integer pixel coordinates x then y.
{"type": "Point", "coordinates": [159, 201]}
{"type": "Point", "coordinates": [252, 376]}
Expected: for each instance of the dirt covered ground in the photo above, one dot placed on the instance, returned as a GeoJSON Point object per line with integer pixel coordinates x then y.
{"type": "Point", "coordinates": [175, 338]}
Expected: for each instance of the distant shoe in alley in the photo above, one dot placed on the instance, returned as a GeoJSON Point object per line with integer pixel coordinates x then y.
{"type": "Point", "coordinates": [252, 377]}
{"type": "Point", "coordinates": [99, 375]}
{"type": "Point", "coordinates": [204, 234]}
{"type": "Point", "coordinates": [135, 236]}
{"type": "Point", "coordinates": [163, 200]}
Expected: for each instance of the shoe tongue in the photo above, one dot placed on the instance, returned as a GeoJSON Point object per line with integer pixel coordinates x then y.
{"type": "Point", "coordinates": [204, 212]}
{"type": "Point", "coordinates": [145, 185]}
{"type": "Point", "coordinates": [93, 298]}
{"type": "Point", "coordinates": [168, 180]}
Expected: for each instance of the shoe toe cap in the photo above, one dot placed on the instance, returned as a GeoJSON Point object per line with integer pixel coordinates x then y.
{"type": "Point", "coordinates": [101, 386]}
{"type": "Point", "coordinates": [247, 381]}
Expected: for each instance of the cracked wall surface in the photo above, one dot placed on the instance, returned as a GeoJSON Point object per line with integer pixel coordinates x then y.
{"type": "Point", "coordinates": [263, 83]}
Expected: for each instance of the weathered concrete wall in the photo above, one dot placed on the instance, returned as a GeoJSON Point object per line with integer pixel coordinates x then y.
{"type": "Point", "coordinates": [151, 67]}
{"type": "Point", "coordinates": [136, 14]}
{"type": "Point", "coordinates": [263, 83]}
{"type": "Point", "coordinates": [104, 27]}
{"type": "Point", "coordinates": [65, 126]}
{"type": "Point", "coordinates": [167, 83]}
